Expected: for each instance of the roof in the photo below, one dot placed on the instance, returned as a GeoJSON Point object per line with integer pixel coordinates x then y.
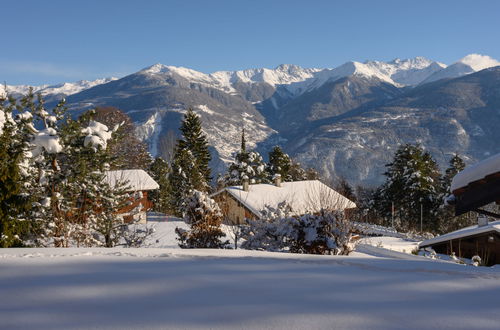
{"type": "Point", "coordinates": [476, 172]}
{"type": "Point", "coordinates": [136, 180]}
{"type": "Point", "coordinates": [303, 196]}
{"type": "Point", "coordinates": [464, 232]}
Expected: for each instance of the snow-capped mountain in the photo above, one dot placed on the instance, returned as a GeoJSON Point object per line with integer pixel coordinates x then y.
{"type": "Point", "coordinates": [346, 121]}
{"type": "Point", "coordinates": [64, 89]}
{"type": "Point", "coordinates": [467, 65]}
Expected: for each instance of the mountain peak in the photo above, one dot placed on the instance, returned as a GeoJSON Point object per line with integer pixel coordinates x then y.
{"type": "Point", "coordinates": [479, 62]}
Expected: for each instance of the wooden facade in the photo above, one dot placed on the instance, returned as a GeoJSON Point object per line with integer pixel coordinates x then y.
{"type": "Point", "coordinates": [234, 211]}
{"type": "Point", "coordinates": [485, 245]}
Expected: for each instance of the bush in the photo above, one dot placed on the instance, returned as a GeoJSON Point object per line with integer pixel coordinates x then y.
{"type": "Point", "coordinates": [328, 232]}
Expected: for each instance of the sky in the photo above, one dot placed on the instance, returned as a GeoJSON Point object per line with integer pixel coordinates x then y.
{"type": "Point", "coordinates": [47, 42]}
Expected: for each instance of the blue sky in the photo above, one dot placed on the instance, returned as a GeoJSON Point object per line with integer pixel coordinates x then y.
{"type": "Point", "coordinates": [55, 41]}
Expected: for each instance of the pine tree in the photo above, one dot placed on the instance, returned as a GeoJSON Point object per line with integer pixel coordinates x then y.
{"type": "Point", "coordinates": [279, 163]}
{"type": "Point", "coordinates": [344, 188]}
{"type": "Point", "coordinates": [205, 218]}
{"type": "Point", "coordinates": [196, 142]}
{"type": "Point", "coordinates": [246, 164]}
{"type": "Point", "coordinates": [160, 171]}
{"type": "Point", "coordinates": [413, 186]}
{"type": "Point", "coordinates": [447, 219]}
{"type": "Point", "coordinates": [14, 200]}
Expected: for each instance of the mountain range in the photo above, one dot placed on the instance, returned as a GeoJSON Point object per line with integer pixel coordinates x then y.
{"type": "Point", "coordinates": [345, 121]}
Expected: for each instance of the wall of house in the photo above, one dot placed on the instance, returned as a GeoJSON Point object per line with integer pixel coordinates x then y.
{"type": "Point", "coordinates": [486, 246]}
{"type": "Point", "coordinates": [234, 211]}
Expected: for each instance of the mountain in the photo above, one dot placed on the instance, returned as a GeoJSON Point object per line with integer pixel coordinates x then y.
{"type": "Point", "coordinates": [56, 92]}
{"type": "Point", "coordinates": [345, 121]}
{"type": "Point", "coordinates": [458, 115]}
{"type": "Point", "coordinates": [467, 65]}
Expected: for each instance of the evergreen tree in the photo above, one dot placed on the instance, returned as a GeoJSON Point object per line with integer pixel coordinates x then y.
{"type": "Point", "coordinates": [184, 179]}
{"type": "Point", "coordinates": [14, 199]}
{"type": "Point", "coordinates": [205, 218]}
{"type": "Point", "coordinates": [160, 171]}
{"type": "Point", "coordinates": [279, 163]}
{"type": "Point", "coordinates": [344, 188]}
{"type": "Point", "coordinates": [413, 186]}
{"type": "Point", "coordinates": [447, 219]}
{"type": "Point", "coordinates": [246, 164]}
{"type": "Point", "coordinates": [196, 142]}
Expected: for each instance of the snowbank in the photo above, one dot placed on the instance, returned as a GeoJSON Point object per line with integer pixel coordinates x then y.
{"type": "Point", "coordinates": [193, 289]}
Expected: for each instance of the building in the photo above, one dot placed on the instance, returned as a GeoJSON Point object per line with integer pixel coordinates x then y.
{"type": "Point", "coordinates": [482, 240]}
{"type": "Point", "coordinates": [473, 188]}
{"type": "Point", "coordinates": [137, 183]}
{"type": "Point", "coordinates": [476, 186]}
{"type": "Point", "coordinates": [246, 202]}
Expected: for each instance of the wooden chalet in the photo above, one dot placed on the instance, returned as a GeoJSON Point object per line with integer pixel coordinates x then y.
{"type": "Point", "coordinates": [137, 183]}
{"type": "Point", "coordinates": [473, 188]}
{"type": "Point", "coordinates": [239, 203]}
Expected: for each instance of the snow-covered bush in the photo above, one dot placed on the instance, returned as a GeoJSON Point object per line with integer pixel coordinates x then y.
{"type": "Point", "coordinates": [205, 218]}
{"type": "Point", "coordinates": [327, 232]}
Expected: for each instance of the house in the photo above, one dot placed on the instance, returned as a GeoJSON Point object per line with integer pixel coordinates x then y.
{"type": "Point", "coordinates": [476, 186]}
{"type": "Point", "coordinates": [246, 202]}
{"type": "Point", "coordinates": [473, 188]}
{"type": "Point", "coordinates": [482, 240]}
{"type": "Point", "coordinates": [137, 183]}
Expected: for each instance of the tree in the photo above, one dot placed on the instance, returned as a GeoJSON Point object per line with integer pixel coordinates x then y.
{"type": "Point", "coordinates": [447, 219]}
{"type": "Point", "coordinates": [14, 198]}
{"type": "Point", "coordinates": [160, 171]}
{"type": "Point", "coordinates": [413, 186]}
{"type": "Point", "coordinates": [194, 140]}
{"type": "Point", "coordinates": [130, 152]}
{"type": "Point", "coordinates": [205, 218]}
{"type": "Point", "coordinates": [344, 188]}
{"type": "Point", "coordinates": [246, 165]}
{"type": "Point", "coordinates": [279, 163]}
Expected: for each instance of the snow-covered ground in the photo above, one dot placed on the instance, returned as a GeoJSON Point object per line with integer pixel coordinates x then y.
{"type": "Point", "coordinates": [240, 289]}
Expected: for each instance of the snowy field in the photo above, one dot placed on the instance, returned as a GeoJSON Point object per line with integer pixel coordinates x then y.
{"type": "Point", "coordinates": [154, 288]}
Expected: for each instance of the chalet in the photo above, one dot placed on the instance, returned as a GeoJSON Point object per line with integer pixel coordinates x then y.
{"type": "Point", "coordinates": [137, 183]}
{"type": "Point", "coordinates": [246, 202]}
{"type": "Point", "coordinates": [474, 187]}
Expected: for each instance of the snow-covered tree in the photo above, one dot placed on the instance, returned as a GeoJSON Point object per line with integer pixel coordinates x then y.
{"type": "Point", "coordinates": [204, 218]}
{"type": "Point", "coordinates": [327, 232]}
{"type": "Point", "coordinates": [14, 196]}
{"type": "Point", "coordinates": [246, 165]}
{"type": "Point", "coordinates": [279, 163]}
{"type": "Point", "coordinates": [130, 152]}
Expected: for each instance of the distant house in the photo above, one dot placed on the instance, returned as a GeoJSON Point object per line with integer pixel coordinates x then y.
{"type": "Point", "coordinates": [246, 202]}
{"type": "Point", "coordinates": [473, 188]}
{"type": "Point", "coordinates": [138, 183]}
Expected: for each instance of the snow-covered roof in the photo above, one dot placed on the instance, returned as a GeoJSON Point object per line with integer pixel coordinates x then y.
{"type": "Point", "coordinates": [476, 172]}
{"type": "Point", "coordinates": [302, 196]}
{"type": "Point", "coordinates": [135, 180]}
{"type": "Point", "coordinates": [464, 232]}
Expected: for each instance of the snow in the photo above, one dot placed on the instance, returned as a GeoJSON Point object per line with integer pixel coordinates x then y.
{"type": "Point", "coordinates": [476, 172]}
{"type": "Point", "coordinates": [97, 135]}
{"type": "Point", "coordinates": [239, 289]}
{"type": "Point", "coordinates": [464, 232]}
{"type": "Point", "coordinates": [46, 139]}
{"type": "Point", "coordinates": [135, 180]}
{"type": "Point", "coordinates": [67, 88]}
{"type": "Point", "coordinates": [302, 196]}
{"type": "Point", "coordinates": [479, 62]}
